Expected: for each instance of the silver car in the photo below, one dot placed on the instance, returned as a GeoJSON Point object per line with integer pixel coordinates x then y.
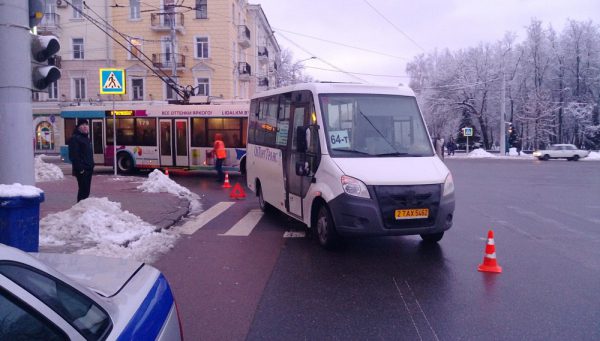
{"type": "Point", "coordinates": [561, 151]}
{"type": "Point", "coordinates": [76, 297]}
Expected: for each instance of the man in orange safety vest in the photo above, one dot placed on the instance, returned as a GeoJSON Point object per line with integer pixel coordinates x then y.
{"type": "Point", "coordinates": [220, 154]}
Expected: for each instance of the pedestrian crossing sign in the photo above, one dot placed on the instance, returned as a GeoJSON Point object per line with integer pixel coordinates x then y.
{"type": "Point", "coordinates": [112, 81]}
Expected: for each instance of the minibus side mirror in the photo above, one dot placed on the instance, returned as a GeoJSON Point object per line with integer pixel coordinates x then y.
{"type": "Point", "coordinates": [301, 144]}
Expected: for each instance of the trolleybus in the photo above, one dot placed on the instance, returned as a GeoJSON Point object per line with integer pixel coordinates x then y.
{"type": "Point", "coordinates": [163, 135]}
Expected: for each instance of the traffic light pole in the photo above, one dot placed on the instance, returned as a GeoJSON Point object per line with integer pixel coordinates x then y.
{"type": "Point", "coordinates": [16, 135]}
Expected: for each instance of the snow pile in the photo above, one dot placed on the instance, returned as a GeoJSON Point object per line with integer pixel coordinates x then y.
{"type": "Point", "coordinates": [18, 190]}
{"type": "Point", "coordinates": [480, 153]}
{"type": "Point", "coordinates": [98, 226]}
{"type": "Point", "coordinates": [158, 182]}
{"type": "Point", "coordinates": [593, 156]}
{"type": "Point", "coordinates": [46, 171]}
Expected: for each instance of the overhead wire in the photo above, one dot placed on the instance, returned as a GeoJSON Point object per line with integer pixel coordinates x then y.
{"type": "Point", "coordinates": [393, 25]}
{"type": "Point", "coordinates": [321, 59]}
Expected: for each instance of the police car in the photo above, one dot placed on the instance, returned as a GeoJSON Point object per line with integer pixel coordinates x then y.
{"type": "Point", "coordinates": [77, 297]}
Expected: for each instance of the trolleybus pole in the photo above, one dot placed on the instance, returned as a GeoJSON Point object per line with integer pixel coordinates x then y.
{"type": "Point", "coordinates": [114, 117]}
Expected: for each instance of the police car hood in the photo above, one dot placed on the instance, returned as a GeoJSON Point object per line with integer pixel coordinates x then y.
{"type": "Point", "coordinates": [104, 275]}
{"type": "Point", "coordinates": [395, 170]}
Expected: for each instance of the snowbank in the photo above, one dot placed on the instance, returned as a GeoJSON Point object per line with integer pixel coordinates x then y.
{"type": "Point", "coordinates": [480, 153]}
{"type": "Point", "coordinates": [46, 171]}
{"type": "Point", "coordinates": [98, 226]}
{"type": "Point", "coordinates": [18, 190]}
{"type": "Point", "coordinates": [593, 156]}
{"type": "Point", "coordinates": [158, 182]}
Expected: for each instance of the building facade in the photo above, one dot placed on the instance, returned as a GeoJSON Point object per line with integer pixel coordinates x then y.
{"type": "Point", "coordinates": [218, 48]}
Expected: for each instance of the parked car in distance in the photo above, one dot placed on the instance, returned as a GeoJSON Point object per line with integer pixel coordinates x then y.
{"type": "Point", "coordinates": [80, 297]}
{"type": "Point", "coordinates": [561, 151]}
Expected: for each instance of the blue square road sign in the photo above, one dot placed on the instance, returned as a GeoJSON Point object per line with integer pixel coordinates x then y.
{"type": "Point", "coordinates": [112, 81]}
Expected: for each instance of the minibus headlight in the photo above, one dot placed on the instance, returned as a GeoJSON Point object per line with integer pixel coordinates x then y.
{"type": "Point", "coordinates": [448, 185]}
{"type": "Point", "coordinates": [354, 187]}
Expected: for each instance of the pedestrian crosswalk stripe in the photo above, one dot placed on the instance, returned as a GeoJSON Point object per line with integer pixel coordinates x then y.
{"type": "Point", "coordinates": [194, 225]}
{"type": "Point", "coordinates": [245, 226]}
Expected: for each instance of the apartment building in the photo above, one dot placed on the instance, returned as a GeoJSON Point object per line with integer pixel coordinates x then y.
{"type": "Point", "coordinates": [211, 46]}
{"type": "Point", "coordinates": [84, 49]}
{"type": "Point", "coordinates": [219, 48]}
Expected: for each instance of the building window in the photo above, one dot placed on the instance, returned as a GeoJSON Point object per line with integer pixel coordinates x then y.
{"type": "Point", "coordinates": [201, 47]}
{"type": "Point", "coordinates": [53, 91]}
{"type": "Point", "coordinates": [203, 87]}
{"type": "Point", "coordinates": [77, 9]}
{"type": "Point", "coordinates": [201, 9]}
{"type": "Point", "coordinates": [135, 48]}
{"type": "Point", "coordinates": [134, 9]}
{"type": "Point", "coordinates": [79, 88]}
{"type": "Point", "coordinates": [137, 89]}
{"type": "Point", "coordinates": [77, 48]}
{"type": "Point", "coordinates": [170, 94]}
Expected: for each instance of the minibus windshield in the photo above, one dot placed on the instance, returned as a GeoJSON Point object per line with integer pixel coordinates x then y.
{"type": "Point", "coordinates": [370, 125]}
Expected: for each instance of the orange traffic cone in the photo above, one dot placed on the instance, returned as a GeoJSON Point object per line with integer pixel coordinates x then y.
{"type": "Point", "coordinates": [489, 261]}
{"type": "Point", "coordinates": [226, 184]}
{"type": "Point", "coordinates": [237, 192]}
{"type": "Point", "coordinates": [167, 171]}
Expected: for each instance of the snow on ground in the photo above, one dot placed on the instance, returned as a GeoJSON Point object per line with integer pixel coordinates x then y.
{"type": "Point", "coordinates": [593, 156]}
{"type": "Point", "coordinates": [98, 226]}
{"type": "Point", "coordinates": [158, 182]}
{"type": "Point", "coordinates": [46, 171]}
{"type": "Point", "coordinates": [18, 190]}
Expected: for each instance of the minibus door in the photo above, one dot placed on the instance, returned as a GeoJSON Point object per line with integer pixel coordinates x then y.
{"type": "Point", "coordinates": [297, 184]}
{"type": "Point", "coordinates": [97, 136]}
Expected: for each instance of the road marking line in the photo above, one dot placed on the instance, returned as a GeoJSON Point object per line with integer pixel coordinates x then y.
{"type": "Point", "coordinates": [294, 234]}
{"type": "Point", "coordinates": [245, 226]}
{"type": "Point", "coordinates": [194, 225]}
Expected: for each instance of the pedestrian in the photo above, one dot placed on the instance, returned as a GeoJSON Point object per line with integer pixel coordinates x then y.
{"type": "Point", "coordinates": [451, 146]}
{"type": "Point", "coordinates": [220, 154]}
{"type": "Point", "coordinates": [439, 146]}
{"type": "Point", "coordinates": [82, 158]}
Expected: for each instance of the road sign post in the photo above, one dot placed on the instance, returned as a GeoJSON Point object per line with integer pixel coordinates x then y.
{"type": "Point", "coordinates": [467, 131]}
{"type": "Point", "coordinates": [112, 82]}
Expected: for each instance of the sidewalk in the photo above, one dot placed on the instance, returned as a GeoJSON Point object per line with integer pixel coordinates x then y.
{"type": "Point", "coordinates": [159, 209]}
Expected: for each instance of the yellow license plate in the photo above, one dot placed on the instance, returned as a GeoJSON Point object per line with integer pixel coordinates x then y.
{"type": "Point", "coordinates": [413, 213]}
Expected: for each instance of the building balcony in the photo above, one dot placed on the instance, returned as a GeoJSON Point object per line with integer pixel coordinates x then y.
{"type": "Point", "coordinates": [50, 23]}
{"type": "Point", "coordinates": [263, 55]}
{"type": "Point", "coordinates": [244, 36]}
{"type": "Point", "coordinates": [262, 83]}
{"type": "Point", "coordinates": [166, 60]}
{"type": "Point", "coordinates": [244, 71]}
{"type": "Point", "coordinates": [161, 22]}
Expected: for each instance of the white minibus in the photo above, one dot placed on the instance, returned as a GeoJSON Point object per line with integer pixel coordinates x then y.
{"type": "Point", "coordinates": [348, 160]}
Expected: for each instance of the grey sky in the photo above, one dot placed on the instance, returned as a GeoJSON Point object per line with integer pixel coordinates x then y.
{"type": "Point", "coordinates": [430, 24]}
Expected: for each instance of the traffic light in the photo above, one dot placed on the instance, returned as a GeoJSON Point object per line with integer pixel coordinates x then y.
{"type": "Point", "coordinates": [43, 49]}
{"type": "Point", "coordinates": [36, 12]}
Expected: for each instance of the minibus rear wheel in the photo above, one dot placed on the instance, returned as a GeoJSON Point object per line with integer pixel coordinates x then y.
{"type": "Point", "coordinates": [432, 237]}
{"type": "Point", "coordinates": [325, 229]}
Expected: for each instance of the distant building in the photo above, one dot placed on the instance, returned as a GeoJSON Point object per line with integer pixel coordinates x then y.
{"type": "Point", "coordinates": [222, 48]}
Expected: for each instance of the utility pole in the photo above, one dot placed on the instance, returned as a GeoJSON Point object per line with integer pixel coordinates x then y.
{"type": "Point", "coordinates": [503, 116]}
{"type": "Point", "coordinates": [16, 136]}
{"type": "Point", "coordinates": [172, 16]}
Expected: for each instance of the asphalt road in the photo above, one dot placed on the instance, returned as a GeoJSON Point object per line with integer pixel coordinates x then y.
{"type": "Point", "coordinates": [546, 219]}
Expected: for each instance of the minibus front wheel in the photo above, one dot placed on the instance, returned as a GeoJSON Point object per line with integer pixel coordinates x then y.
{"type": "Point", "coordinates": [325, 228]}
{"type": "Point", "coordinates": [264, 206]}
{"type": "Point", "coordinates": [432, 237]}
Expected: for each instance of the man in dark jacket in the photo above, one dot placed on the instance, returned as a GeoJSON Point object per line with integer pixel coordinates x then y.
{"type": "Point", "coordinates": [82, 158]}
